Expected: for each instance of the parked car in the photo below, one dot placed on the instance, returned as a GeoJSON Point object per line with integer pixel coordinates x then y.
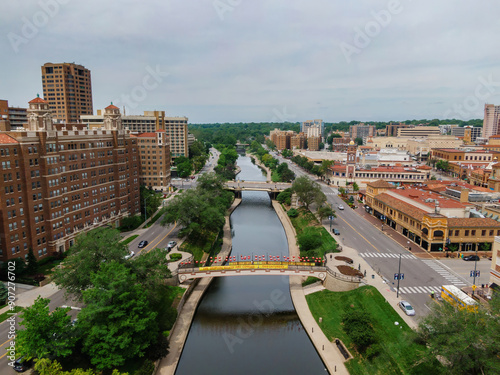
{"type": "Point", "coordinates": [341, 207]}
{"type": "Point", "coordinates": [407, 308]}
{"type": "Point", "coordinates": [336, 231]}
{"type": "Point", "coordinates": [143, 244]}
{"type": "Point", "coordinates": [130, 255]}
{"type": "Point", "coordinates": [21, 364]}
{"type": "Point", "coordinates": [171, 244]}
{"type": "Point", "coordinates": [472, 257]}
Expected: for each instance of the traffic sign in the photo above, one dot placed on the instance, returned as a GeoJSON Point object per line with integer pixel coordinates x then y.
{"type": "Point", "coordinates": [475, 273]}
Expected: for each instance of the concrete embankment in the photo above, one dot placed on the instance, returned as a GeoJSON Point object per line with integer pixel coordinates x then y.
{"type": "Point", "coordinates": [179, 332]}
{"type": "Point", "coordinates": [327, 350]}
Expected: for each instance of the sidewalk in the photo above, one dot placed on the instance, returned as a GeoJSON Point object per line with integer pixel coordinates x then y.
{"type": "Point", "coordinates": [327, 350]}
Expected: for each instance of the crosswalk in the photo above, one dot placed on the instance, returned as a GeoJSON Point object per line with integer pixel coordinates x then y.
{"type": "Point", "coordinates": [419, 289]}
{"type": "Point", "coordinates": [451, 278]}
{"type": "Point", "coordinates": [387, 255]}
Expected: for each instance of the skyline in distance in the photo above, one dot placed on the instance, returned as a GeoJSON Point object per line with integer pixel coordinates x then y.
{"type": "Point", "coordinates": [234, 61]}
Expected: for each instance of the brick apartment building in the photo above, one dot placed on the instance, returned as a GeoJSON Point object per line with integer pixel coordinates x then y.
{"type": "Point", "coordinates": [59, 180]}
{"type": "Point", "coordinates": [68, 89]}
{"type": "Point", "coordinates": [154, 155]}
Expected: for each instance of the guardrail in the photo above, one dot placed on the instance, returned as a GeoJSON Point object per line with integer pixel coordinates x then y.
{"type": "Point", "coordinates": [352, 279]}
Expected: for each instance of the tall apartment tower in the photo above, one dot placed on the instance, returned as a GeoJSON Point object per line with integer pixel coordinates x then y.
{"type": "Point", "coordinates": [68, 90]}
{"type": "Point", "coordinates": [491, 122]}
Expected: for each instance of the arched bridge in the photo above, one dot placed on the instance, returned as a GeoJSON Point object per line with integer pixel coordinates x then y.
{"type": "Point", "coordinates": [272, 188]}
{"type": "Point", "coordinates": [188, 271]}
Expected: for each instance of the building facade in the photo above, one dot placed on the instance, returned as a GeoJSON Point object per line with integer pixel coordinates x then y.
{"type": "Point", "coordinates": [429, 220]}
{"type": "Point", "coordinates": [59, 180]}
{"type": "Point", "coordinates": [362, 131]}
{"type": "Point", "coordinates": [491, 121]}
{"type": "Point", "coordinates": [154, 151]}
{"type": "Point", "coordinates": [475, 132]}
{"type": "Point", "coordinates": [419, 131]}
{"type": "Point", "coordinates": [67, 88]}
{"type": "Point", "coordinates": [176, 128]}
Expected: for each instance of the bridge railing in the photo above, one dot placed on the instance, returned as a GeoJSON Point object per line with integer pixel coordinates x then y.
{"type": "Point", "coordinates": [234, 266]}
{"type": "Point", "coordinates": [340, 276]}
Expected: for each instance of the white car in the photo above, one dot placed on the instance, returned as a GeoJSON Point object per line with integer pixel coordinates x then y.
{"type": "Point", "coordinates": [130, 255]}
{"type": "Point", "coordinates": [407, 308]}
{"type": "Point", "coordinates": [341, 207]}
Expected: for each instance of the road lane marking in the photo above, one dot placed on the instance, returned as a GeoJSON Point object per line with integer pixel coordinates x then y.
{"type": "Point", "coordinates": [175, 225]}
{"type": "Point", "coordinates": [363, 237]}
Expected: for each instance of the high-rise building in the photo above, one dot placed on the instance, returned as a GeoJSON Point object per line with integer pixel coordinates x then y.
{"type": "Point", "coordinates": [15, 116]}
{"type": "Point", "coordinates": [491, 121]}
{"type": "Point", "coordinates": [475, 131]}
{"type": "Point", "coordinates": [362, 131]}
{"type": "Point", "coordinates": [176, 128]}
{"type": "Point", "coordinates": [313, 128]}
{"type": "Point", "coordinates": [67, 88]}
{"type": "Point", "coordinates": [154, 155]}
{"type": "Point", "coordinates": [63, 179]}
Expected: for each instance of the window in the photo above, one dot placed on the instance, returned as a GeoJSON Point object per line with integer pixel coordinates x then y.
{"type": "Point", "coordinates": [466, 233]}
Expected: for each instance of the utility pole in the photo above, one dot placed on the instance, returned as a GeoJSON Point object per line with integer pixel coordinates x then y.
{"type": "Point", "coordinates": [399, 276]}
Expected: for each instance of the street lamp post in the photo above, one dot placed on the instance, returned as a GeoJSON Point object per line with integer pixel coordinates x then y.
{"type": "Point", "coordinates": [145, 208]}
{"type": "Point", "coordinates": [330, 217]}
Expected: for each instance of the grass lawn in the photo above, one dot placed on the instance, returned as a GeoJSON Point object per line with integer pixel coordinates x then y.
{"type": "Point", "coordinates": [398, 349]}
{"type": "Point", "coordinates": [306, 219]}
{"type": "Point", "coordinates": [130, 239]}
{"type": "Point", "coordinates": [46, 269]}
{"type": "Point", "coordinates": [199, 248]}
{"type": "Point", "coordinates": [8, 313]}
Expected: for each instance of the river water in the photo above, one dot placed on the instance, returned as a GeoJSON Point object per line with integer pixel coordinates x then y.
{"type": "Point", "coordinates": [247, 324]}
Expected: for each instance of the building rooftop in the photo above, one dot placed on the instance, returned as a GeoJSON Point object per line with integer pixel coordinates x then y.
{"type": "Point", "coordinates": [473, 222]}
{"type": "Point", "coordinates": [5, 139]}
{"type": "Point", "coordinates": [380, 184]}
{"type": "Point", "coordinates": [401, 206]}
{"type": "Point", "coordinates": [428, 198]}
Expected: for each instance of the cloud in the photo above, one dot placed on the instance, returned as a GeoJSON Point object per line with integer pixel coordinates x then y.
{"type": "Point", "coordinates": [262, 56]}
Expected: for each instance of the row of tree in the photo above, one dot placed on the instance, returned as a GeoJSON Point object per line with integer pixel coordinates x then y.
{"type": "Point", "coordinates": [280, 172]}
{"type": "Point", "coordinates": [318, 170]}
{"type": "Point", "coordinates": [127, 306]}
{"type": "Point", "coordinates": [198, 156]}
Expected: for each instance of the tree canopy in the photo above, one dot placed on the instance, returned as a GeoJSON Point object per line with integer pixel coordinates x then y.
{"type": "Point", "coordinates": [45, 334]}
{"type": "Point", "coordinates": [467, 341]}
{"type": "Point", "coordinates": [308, 191]}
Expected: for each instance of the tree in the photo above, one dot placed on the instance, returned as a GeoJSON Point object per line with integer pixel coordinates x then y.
{"type": "Point", "coordinates": [45, 333]}
{"type": "Point", "coordinates": [4, 293]}
{"type": "Point", "coordinates": [467, 341]}
{"type": "Point", "coordinates": [442, 165]}
{"type": "Point", "coordinates": [184, 166]}
{"type": "Point", "coordinates": [286, 153]}
{"type": "Point", "coordinates": [32, 267]}
{"type": "Point", "coordinates": [308, 191]}
{"type": "Point", "coordinates": [91, 251]}
{"type": "Point", "coordinates": [270, 144]}
{"type": "Point", "coordinates": [359, 141]}
{"type": "Point", "coordinates": [341, 190]}
{"type": "Point", "coordinates": [285, 197]}
{"type": "Point", "coordinates": [118, 322]}
{"type": "Point", "coordinates": [325, 211]}
{"type": "Point", "coordinates": [355, 187]}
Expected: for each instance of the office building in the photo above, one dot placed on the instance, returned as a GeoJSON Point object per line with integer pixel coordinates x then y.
{"type": "Point", "coordinates": [68, 90]}
{"type": "Point", "coordinates": [419, 131]}
{"type": "Point", "coordinates": [475, 131]}
{"type": "Point", "coordinates": [313, 128]}
{"type": "Point", "coordinates": [491, 121]}
{"type": "Point", "coordinates": [362, 131]}
{"type": "Point", "coordinates": [391, 130]}
{"type": "Point", "coordinates": [59, 180]}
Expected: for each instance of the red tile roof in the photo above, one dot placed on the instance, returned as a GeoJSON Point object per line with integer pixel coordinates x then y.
{"type": "Point", "coordinates": [420, 196]}
{"type": "Point", "coordinates": [37, 100]}
{"type": "Point", "coordinates": [147, 135]}
{"type": "Point", "coordinates": [111, 106]}
{"type": "Point", "coordinates": [473, 222]}
{"type": "Point", "coordinates": [4, 139]}
{"type": "Point", "coordinates": [401, 206]}
{"type": "Point", "coordinates": [380, 184]}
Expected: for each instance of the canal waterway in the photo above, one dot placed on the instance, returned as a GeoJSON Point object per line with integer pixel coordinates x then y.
{"type": "Point", "coordinates": [247, 324]}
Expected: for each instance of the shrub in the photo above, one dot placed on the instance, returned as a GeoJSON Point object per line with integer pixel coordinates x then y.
{"type": "Point", "coordinates": [293, 212]}
{"type": "Point", "coordinates": [130, 222]}
{"type": "Point", "coordinates": [175, 256]}
{"type": "Point", "coordinates": [358, 327]}
{"type": "Point", "coordinates": [373, 351]}
{"type": "Point", "coordinates": [3, 293]}
{"type": "Point", "coordinates": [158, 349]}
{"type": "Point", "coordinates": [147, 368]}
{"type": "Point", "coordinates": [284, 197]}
{"type": "Point", "coordinates": [309, 239]}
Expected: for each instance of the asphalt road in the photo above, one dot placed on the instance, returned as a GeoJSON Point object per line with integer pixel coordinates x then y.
{"type": "Point", "coordinates": [382, 253]}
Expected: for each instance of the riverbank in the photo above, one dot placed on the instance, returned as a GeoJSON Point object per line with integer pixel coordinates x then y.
{"type": "Point", "coordinates": [327, 350]}
{"type": "Point", "coordinates": [179, 332]}
{"type": "Point", "coordinates": [261, 166]}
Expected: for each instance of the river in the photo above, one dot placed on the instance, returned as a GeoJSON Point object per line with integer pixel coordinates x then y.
{"type": "Point", "coordinates": [247, 324]}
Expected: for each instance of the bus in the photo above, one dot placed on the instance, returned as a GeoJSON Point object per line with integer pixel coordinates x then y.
{"type": "Point", "coordinates": [456, 297]}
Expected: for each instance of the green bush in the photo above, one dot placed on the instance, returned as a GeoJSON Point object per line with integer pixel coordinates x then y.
{"type": "Point", "coordinates": [292, 212]}
{"type": "Point", "coordinates": [309, 239]}
{"type": "Point", "coordinates": [131, 223]}
{"type": "Point", "coordinates": [147, 368]}
{"type": "Point", "coordinates": [285, 197]}
{"type": "Point", "coordinates": [158, 349]}
{"type": "Point", "coordinates": [175, 256]}
{"type": "Point", "coordinates": [3, 293]}
{"type": "Point", "coordinates": [358, 327]}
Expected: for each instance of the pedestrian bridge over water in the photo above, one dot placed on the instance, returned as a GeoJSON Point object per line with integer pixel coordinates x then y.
{"type": "Point", "coordinates": [273, 188]}
{"type": "Point", "coordinates": [266, 268]}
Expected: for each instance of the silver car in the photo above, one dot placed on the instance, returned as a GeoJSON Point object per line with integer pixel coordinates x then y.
{"type": "Point", "coordinates": [407, 308]}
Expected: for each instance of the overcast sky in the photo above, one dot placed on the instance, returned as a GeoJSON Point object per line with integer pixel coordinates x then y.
{"type": "Point", "coordinates": [274, 60]}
